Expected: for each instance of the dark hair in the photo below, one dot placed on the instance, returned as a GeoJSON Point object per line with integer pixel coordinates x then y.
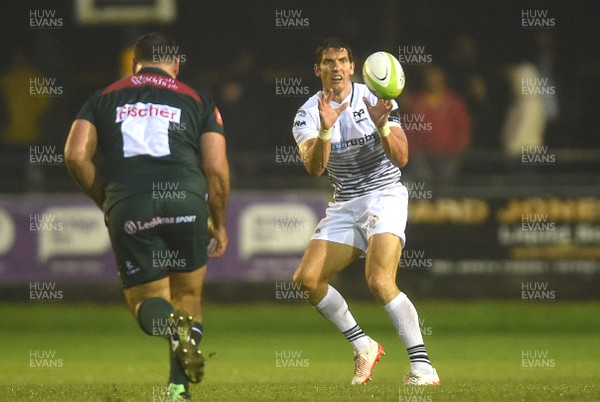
{"type": "Point", "coordinates": [154, 44]}
{"type": "Point", "coordinates": [332, 42]}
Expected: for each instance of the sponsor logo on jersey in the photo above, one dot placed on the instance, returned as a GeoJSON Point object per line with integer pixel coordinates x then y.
{"type": "Point", "coordinates": [358, 115]}
{"type": "Point", "coordinates": [164, 82]}
{"type": "Point", "coordinates": [147, 110]}
{"type": "Point", "coordinates": [145, 128]}
{"type": "Point", "coordinates": [356, 141]}
{"type": "Point", "coordinates": [299, 123]}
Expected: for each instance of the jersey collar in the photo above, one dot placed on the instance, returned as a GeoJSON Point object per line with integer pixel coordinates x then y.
{"type": "Point", "coordinates": [350, 95]}
{"type": "Point", "coordinates": [153, 70]}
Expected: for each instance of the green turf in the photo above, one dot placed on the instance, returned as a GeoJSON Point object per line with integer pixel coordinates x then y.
{"type": "Point", "coordinates": [476, 347]}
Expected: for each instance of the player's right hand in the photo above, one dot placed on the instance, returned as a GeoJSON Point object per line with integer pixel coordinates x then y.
{"type": "Point", "coordinates": [218, 240]}
{"type": "Point", "coordinates": [328, 114]}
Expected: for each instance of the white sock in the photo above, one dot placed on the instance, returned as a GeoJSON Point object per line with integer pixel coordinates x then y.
{"type": "Point", "coordinates": [335, 309]}
{"type": "Point", "coordinates": [404, 316]}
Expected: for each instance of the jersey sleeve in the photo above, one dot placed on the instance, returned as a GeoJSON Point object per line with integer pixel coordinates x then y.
{"type": "Point", "coordinates": [306, 126]}
{"type": "Point", "coordinates": [87, 111]}
{"type": "Point", "coordinates": [213, 121]}
{"type": "Point", "coordinates": [394, 118]}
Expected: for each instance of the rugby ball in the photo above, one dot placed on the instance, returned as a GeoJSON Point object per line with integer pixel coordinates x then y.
{"type": "Point", "coordinates": [383, 74]}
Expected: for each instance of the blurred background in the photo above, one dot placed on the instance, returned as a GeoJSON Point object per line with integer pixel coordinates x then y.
{"type": "Point", "coordinates": [500, 109]}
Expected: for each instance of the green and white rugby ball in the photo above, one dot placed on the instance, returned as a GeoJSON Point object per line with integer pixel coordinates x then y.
{"type": "Point", "coordinates": [384, 75]}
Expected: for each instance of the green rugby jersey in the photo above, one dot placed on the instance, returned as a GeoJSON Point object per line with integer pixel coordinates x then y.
{"type": "Point", "coordinates": [149, 126]}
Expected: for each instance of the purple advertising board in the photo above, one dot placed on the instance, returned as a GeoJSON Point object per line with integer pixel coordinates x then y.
{"type": "Point", "coordinates": [64, 238]}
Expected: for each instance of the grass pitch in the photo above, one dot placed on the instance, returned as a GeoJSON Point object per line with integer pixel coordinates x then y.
{"type": "Point", "coordinates": [483, 351]}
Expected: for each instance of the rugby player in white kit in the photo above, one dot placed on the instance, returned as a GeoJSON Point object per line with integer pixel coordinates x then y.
{"type": "Point", "coordinates": [358, 139]}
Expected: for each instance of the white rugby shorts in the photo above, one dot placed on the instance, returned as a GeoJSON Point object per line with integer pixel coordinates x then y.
{"type": "Point", "coordinates": [354, 222]}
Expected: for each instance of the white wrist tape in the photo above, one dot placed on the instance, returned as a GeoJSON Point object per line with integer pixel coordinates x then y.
{"type": "Point", "coordinates": [384, 131]}
{"type": "Point", "coordinates": [325, 134]}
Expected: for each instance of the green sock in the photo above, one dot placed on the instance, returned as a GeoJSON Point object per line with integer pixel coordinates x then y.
{"type": "Point", "coordinates": [153, 316]}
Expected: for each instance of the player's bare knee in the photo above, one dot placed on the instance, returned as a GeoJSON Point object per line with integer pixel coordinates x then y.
{"type": "Point", "coordinates": [307, 282]}
{"type": "Point", "coordinates": [310, 284]}
{"type": "Point", "coordinates": [379, 283]}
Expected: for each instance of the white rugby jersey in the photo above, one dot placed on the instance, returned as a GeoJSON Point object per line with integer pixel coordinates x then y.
{"type": "Point", "coordinates": [357, 164]}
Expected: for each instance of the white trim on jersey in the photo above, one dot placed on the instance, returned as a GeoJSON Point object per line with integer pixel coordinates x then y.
{"type": "Point", "coordinates": [357, 164]}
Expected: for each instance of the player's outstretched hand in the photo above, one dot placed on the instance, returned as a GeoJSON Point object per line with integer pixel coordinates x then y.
{"type": "Point", "coordinates": [328, 114]}
{"type": "Point", "coordinates": [380, 112]}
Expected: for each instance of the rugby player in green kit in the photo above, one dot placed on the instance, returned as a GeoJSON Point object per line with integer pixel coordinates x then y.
{"type": "Point", "coordinates": [163, 190]}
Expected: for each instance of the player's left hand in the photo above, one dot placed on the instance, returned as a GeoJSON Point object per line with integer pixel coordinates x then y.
{"type": "Point", "coordinates": [380, 112]}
